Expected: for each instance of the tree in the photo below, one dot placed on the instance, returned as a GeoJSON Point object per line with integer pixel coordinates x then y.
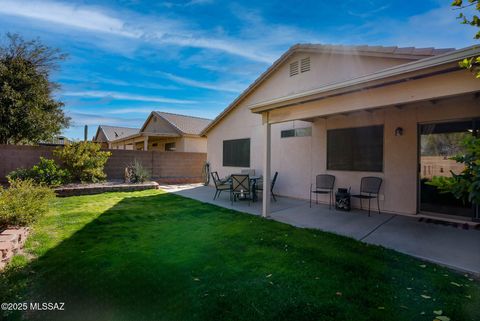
{"type": "Point", "coordinates": [473, 63]}
{"type": "Point", "coordinates": [28, 111]}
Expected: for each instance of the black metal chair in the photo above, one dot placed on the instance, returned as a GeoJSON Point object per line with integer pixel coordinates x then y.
{"type": "Point", "coordinates": [220, 185]}
{"type": "Point", "coordinates": [324, 184]}
{"type": "Point", "coordinates": [272, 185]}
{"type": "Point", "coordinates": [241, 187]}
{"type": "Point", "coordinates": [369, 189]}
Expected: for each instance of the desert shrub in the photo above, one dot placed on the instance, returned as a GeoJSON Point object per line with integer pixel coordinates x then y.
{"type": "Point", "coordinates": [136, 173]}
{"type": "Point", "coordinates": [84, 161]}
{"type": "Point", "coordinates": [24, 202]}
{"type": "Point", "coordinates": [46, 172]}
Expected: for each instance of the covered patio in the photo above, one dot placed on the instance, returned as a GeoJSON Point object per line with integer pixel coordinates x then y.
{"type": "Point", "coordinates": [371, 126]}
{"type": "Point", "coordinates": [451, 244]}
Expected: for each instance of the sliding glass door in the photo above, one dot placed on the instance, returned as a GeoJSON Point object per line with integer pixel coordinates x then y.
{"type": "Point", "coordinates": [438, 143]}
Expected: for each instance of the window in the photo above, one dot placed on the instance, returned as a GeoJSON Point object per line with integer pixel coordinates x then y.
{"type": "Point", "coordinates": [170, 147]}
{"type": "Point", "coordinates": [297, 132]}
{"type": "Point", "coordinates": [236, 153]}
{"type": "Point", "coordinates": [355, 149]}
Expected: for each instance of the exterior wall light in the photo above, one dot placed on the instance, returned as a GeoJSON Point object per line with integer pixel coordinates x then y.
{"type": "Point", "coordinates": [399, 131]}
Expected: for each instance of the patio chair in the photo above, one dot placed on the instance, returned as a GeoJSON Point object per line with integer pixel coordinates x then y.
{"type": "Point", "coordinates": [241, 187]}
{"type": "Point", "coordinates": [259, 187]}
{"type": "Point", "coordinates": [220, 185]}
{"type": "Point", "coordinates": [324, 184]}
{"type": "Point", "coordinates": [369, 189]}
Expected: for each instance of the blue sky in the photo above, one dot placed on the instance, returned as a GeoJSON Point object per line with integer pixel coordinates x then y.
{"type": "Point", "coordinates": [129, 57]}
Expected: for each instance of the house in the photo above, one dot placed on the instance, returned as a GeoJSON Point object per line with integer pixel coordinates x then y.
{"type": "Point", "coordinates": [351, 111]}
{"type": "Point", "coordinates": [55, 141]}
{"type": "Point", "coordinates": [161, 131]}
{"type": "Point", "coordinates": [107, 134]}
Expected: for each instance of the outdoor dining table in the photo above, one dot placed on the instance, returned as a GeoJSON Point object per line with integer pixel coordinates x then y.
{"type": "Point", "coordinates": [253, 182]}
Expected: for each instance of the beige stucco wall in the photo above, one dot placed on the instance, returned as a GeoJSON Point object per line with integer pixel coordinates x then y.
{"type": "Point", "coordinates": [101, 136]}
{"type": "Point", "coordinates": [324, 69]}
{"type": "Point", "coordinates": [182, 144]}
{"type": "Point", "coordinates": [159, 125]}
{"type": "Point", "coordinates": [241, 123]}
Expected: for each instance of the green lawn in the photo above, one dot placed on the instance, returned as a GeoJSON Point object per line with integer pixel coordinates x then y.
{"type": "Point", "coordinates": [155, 256]}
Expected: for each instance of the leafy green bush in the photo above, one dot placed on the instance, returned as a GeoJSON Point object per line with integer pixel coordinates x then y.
{"type": "Point", "coordinates": [466, 185]}
{"type": "Point", "coordinates": [23, 202]}
{"type": "Point", "coordinates": [84, 161]}
{"type": "Point", "coordinates": [46, 172]}
{"type": "Point", "coordinates": [136, 173]}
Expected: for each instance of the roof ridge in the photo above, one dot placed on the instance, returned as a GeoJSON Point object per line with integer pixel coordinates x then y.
{"type": "Point", "coordinates": [189, 116]}
{"type": "Point", "coordinates": [118, 127]}
{"type": "Point", "coordinates": [418, 51]}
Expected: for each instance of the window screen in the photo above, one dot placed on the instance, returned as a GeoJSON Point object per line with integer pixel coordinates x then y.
{"type": "Point", "coordinates": [355, 149]}
{"type": "Point", "coordinates": [236, 152]}
{"type": "Point", "coordinates": [297, 132]}
{"type": "Point", "coordinates": [170, 147]}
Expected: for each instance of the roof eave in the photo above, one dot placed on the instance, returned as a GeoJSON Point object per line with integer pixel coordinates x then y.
{"type": "Point", "coordinates": [447, 60]}
{"type": "Point", "coordinates": [293, 49]}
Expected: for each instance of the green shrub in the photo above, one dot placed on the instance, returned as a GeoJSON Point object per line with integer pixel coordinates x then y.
{"type": "Point", "coordinates": [23, 202]}
{"type": "Point", "coordinates": [136, 173]}
{"type": "Point", "coordinates": [46, 172]}
{"type": "Point", "coordinates": [84, 161]}
{"type": "Point", "coordinates": [466, 185]}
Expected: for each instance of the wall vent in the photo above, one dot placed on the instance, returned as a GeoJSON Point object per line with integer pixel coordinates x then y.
{"type": "Point", "coordinates": [305, 64]}
{"type": "Point", "coordinates": [294, 68]}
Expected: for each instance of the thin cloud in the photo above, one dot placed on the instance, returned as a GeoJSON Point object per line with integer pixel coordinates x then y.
{"type": "Point", "coordinates": [116, 82]}
{"type": "Point", "coordinates": [81, 119]}
{"type": "Point", "coordinates": [368, 13]}
{"type": "Point", "coordinates": [125, 96]}
{"type": "Point", "coordinates": [74, 16]}
{"type": "Point", "coordinates": [161, 31]}
{"type": "Point", "coordinates": [229, 87]}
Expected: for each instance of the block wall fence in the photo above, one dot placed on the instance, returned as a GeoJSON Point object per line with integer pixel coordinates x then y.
{"type": "Point", "coordinates": [165, 167]}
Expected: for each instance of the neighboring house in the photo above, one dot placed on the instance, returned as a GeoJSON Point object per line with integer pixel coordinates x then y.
{"type": "Point", "coordinates": [350, 111]}
{"type": "Point", "coordinates": [107, 134]}
{"type": "Point", "coordinates": [55, 141]}
{"type": "Point", "coordinates": [163, 132]}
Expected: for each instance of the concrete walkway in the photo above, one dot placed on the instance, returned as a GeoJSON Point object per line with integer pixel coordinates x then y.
{"type": "Point", "coordinates": [451, 246]}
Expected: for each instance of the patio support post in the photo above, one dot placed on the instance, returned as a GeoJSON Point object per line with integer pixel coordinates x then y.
{"type": "Point", "coordinates": [145, 143]}
{"type": "Point", "coordinates": [266, 165]}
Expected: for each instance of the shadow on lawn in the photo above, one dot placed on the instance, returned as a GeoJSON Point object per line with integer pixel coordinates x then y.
{"type": "Point", "coordinates": [164, 257]}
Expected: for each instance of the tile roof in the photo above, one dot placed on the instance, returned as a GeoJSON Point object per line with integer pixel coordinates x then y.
{"type": "Point", "coordinates": [365, 49]}
{"type": "Point", "coordinates": [116, 132]}
{"type": "Point", "coordinates": [189, 125]}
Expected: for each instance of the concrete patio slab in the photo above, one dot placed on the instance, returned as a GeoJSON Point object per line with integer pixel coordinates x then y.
{"type": "Point", "coordinates": [446, 245]}
{"type": "Point", "coordinates": [443, 244]}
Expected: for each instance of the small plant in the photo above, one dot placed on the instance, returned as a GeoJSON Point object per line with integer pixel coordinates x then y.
{"type": "Point", "coordinates": [46, 172]}
{"type": "Point", "coordinates": [136, 173]}
{"type": "Point", "coordinates": [84, 161]}
{"type": "Point", "coordinates": [23, 202]}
